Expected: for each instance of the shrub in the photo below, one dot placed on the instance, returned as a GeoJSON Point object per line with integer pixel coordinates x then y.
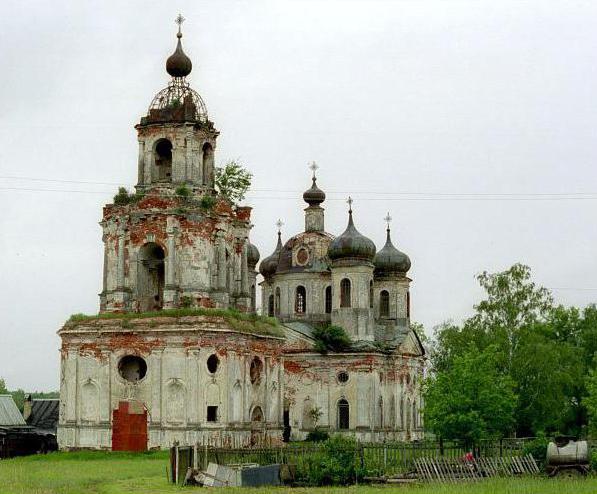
{"type": "Point", "coordinates": [331, 338]}
{"type": "Point", "coordinates": [207, 202]}
{"type": "Point", "coordinates": [186, 301]}
{"type": "Point", "coordinates": [336, 464]}
{"type": "Point", "coordinates": [317, 436]}
{"type": "Point", "coordinates": [182, 191]}
{"type": "Point", "coordinates": [124, 197]}
{"type": "Point", "coordinates": [538, 448]}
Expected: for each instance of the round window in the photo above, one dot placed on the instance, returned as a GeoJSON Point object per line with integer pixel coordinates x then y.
{"type": "Point", "coordinates": [342, 377]}
{"type": "Point", "coordinates": [132, 368]}
{"type": "Point", "coordinates": [302, 256]}
{"type": "Point", "coordinates": [212, 363]}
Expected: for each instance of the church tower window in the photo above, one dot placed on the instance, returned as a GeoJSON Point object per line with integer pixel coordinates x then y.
{"type": "Point", "coordinates": [208, 162]}
{"type": "Point", "coordinates": [277, 303]}
{"type": "Point", "coordinates": [345, 293]}
{"type": "Point", "coordinates": [270, 306]}
{"type": "Point", "coordinates": [300, 304]}
{"type": "Point", "coordinates": [384, 304]}
{"type": "Point", "coordinates": [328, 300]}
{"type": "Point", "coordinates": [163, 160]}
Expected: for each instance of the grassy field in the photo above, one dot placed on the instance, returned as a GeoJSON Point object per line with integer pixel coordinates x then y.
{"type": "Point", "coordinates": [121, 473]}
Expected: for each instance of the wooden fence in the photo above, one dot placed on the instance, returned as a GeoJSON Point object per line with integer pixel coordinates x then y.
{"type": "Point", "coordinates": [375, 458]}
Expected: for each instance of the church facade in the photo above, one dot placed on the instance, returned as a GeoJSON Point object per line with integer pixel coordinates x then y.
{"type": "Point", "coordinates": [166, 360]}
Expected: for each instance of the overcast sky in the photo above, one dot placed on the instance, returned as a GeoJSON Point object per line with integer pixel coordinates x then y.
{"type": "Point", "coordinates": [398, 102]}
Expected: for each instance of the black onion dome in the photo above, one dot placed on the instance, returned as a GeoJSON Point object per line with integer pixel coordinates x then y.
{"type": "Point", "coordinates": [178, 64]}
{"type": "Point", "coordinates": [390, 260]}
{"type": "Point", "coordinates": [352, 244]}
{"type": "Point", "coordinates": [269, 265]}
{"type": "Point", "coordinates": [252, 254]}
{"type": "Point", "coordinates": [314, 196]}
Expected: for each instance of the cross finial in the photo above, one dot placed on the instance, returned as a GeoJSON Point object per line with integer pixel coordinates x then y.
{"type": "Point", "coordinates": [313, 167]}
{"type": "Point", "coordinates": [349, 201]}
{"type": "Point", "coordinates": [179, 20]}
{"type": "Point", "coordinates": [279, 224]}
{"type": "Point", "coordinates": [388, 219]}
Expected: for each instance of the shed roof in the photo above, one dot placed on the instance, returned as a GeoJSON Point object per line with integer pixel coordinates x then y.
{"type": "Point", "coordinates": [44, 414]}
{"type": "Point", "coordinates": [9, 413]}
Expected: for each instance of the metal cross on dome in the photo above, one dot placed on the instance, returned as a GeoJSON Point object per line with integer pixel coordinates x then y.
{"type": "Point", "coordinates": [313, 167]}
{"type": "Point", "coordinates": [279, 224]}
{"type": "Point", "coordinates": [388, 219]}
{"type": "Point", "coordinates": [349, 201]}
{"type": "Point", "coordinates": [179, 20]}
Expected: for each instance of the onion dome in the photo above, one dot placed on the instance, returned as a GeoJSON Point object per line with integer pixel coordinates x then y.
{"type": "Point", "coordinates": [351, 245]}
{"type": "Point", "coordinates": [178, 64]}
{"type": "Point", "coordinates": [269, 265]}
{"type": "Point", "coordinates": [390, 260]}
{"type": "Point", "coordinates": [252, 255]}
{"type": "Point", "coordinates": [314, 196]}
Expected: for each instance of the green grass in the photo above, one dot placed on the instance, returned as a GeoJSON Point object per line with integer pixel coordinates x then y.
{"type": "Point", "coordinates": [128, 473]}
{"type": "Point", "coordinates": [239, 321]}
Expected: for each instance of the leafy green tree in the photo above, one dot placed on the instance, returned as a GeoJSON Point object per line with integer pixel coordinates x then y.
{"type": "Point", "coordinates": [3, 389]}
{"type": "Point", "coordinates": [471, 401]}
{"type": "Point", "coordinates": [233, 181]}
{"type": "Point", "coordinates": [590, 401]}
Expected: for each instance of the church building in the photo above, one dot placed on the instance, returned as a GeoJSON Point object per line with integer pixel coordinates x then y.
{"type": "Point", "coordinates": [178, 353]}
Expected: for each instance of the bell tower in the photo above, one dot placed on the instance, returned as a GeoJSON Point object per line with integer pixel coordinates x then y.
{"type": "Point", "coordinates": [176, 242]}
{"type": "Point", "coordinates": [177, 141]}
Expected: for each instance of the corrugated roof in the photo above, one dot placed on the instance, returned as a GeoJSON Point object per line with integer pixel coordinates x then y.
{"type": "Point", "coordinates": [9, 413]}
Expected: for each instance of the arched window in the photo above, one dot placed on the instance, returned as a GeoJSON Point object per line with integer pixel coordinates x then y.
{"type": "Point", "coordinates": [208, 162]}
{"type": "Point", "coordinates": [384, 304]}
{"type": "Point", "coordinates": [151, 277]}
{"type": "Point", "coordinates": [343, 415]}
{"type": "Point", "coordinates": [380, 412]}
{"type": "Point", "coordinates": [407, 304]}
{"type": "Point", "coordinates": [163, 160]}
{"type": "Point", "coordinates": [328, 300]}
{"type": "Point", "coordinates": [300, 300]}
{"type": "Point", "coordinates": [257, 414]}
{"type": "Point", "coordinates": [270, 306]}
{"type": "Point", "coordinates": [277, 304]}
{"type": "Point", "coordinates": [345, 296]}
{"type": "Point", "coordinates": [414, 415]}
{"type": "Point", "coordinates": [253, 296]}
{"type": "Point", "coordinates": [371, 294]}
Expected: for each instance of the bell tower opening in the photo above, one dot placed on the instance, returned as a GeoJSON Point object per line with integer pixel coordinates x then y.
{"type": "Point", "coordinates": [163, 160]}
{"type": "Point", "coordinates": [208, 163]}
{"type": "Point", "coordinates": [151, 276]}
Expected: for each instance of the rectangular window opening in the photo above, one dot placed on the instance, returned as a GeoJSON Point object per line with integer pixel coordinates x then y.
{"type": "Point", "coordinates": [212, 414]}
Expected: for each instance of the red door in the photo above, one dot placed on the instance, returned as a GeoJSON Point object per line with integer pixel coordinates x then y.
{"type": "Point", "coordinates": [129, 427]}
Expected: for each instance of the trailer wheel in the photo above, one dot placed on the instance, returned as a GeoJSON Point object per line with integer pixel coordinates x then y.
{"type": "Point", "coordinates": [569, 473]}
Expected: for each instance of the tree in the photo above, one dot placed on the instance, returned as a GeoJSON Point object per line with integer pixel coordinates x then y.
{"type": "Point", "coordinates": [330, 338]}
{"type": "Point", "coordinates": [233, 181]}
{"type": "Point", "coordinates": [471, 401]}
{"type": "Point", "coordinates": [3, 389]}
{"type": "Point", "coordinates": [590, 400]}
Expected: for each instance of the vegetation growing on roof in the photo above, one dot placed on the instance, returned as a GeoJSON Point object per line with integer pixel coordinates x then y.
{"type": "Point", "coordinates": [124, 197]}
{"type": "Point", "coordinates": [331, 339]}
{"type": "Point", "coordinates": [239, 321]}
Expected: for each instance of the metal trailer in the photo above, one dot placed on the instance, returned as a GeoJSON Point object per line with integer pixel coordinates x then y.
{"type": "Point", "coordinates": [567, 457]}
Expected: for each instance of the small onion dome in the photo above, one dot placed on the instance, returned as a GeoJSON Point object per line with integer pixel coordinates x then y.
{"type": "Point", "coordinates": [390, 259]}
{"type": "Point", "coordinates": [269, 265]}
{"type": "Point", "coordinates": [314, 196]}
{"type": "Point", "coordinates": [252, 254]}
{"type": "Point", "coordinates": [178, 64]}
{"type": "Point", "coordinates": [351, 244]}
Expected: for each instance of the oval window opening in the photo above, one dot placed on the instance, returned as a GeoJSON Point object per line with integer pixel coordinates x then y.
{"type": "Point", "coordinates": [132, 368]}
{"type": "Point", "coordinates": [343, 377]}
{"type": "Point", "coordinates": [212, 363]}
